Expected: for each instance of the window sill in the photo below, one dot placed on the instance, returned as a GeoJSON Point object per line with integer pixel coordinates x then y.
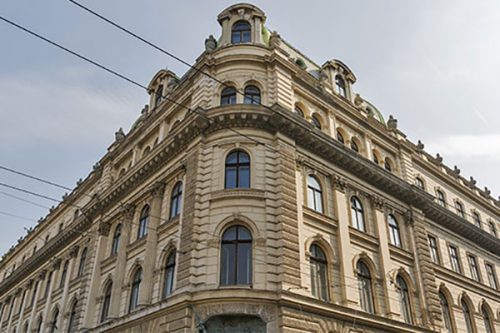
{"type": "Point", "coordinates": [235, 286]}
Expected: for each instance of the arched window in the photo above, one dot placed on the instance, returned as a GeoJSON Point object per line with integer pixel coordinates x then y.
{"type": "Point", "coordinates": [315, 122]}
{"type": "Point", "coordinates": [357, 214]}
{"type": "Point", "coordinates": [228, 96]}
{"type": "Point", "coordinates": [53, 322]}
{"type": "Point", "coordinates": [236, 256]}
{"type": "Point", "coordinates": [134, 290]}
{"type": "Point", "coordinates": [73, 323]}
{"type": "Point", "coordinates": [387, 165]}
{"type": "Point", "coordinates": [159, 95]}
{"type": "Point", "coordinates": [142, 231]}
{"type": "Point", "coordinates": [404, 299]}
{"type": "Point", "coordinates": [83, 258]}
{"type": "Point", "coordinates": [375, 158]}
{"type": "Point", "coordinates": [354, 146]}
{"type": "Point", "coordinates": [314, 194]}
{"type": "Point", "coordinates": [63, 274]}
{"type": "Point", "coordinates": [237, 170]}
{"type": "Point", "coordinates": [47, 285]}
{"type": "Point", "coordinates": [298, 111]}
{"type": "Point", "coordinates": [460, 209]}
{"type": "Point", "coordinates": [39, 325]}
{"type": "Point", "coordinates": [241, 32]}
{"type": "Point", "coordinates": [440, 198]}
{"type": "Point", "coordinates": [365, 287]}
{"type": "Point", "coordinates": [394, 233]}
{"type": "Point", "coordinates": [168, 284]}
{"type": "Point", "coordinates": [420, 183]}
{"type": "Point", "coordinates": [106, 301]}
{"type": "Point", "coordinates": [340, 137]}
{"type": "Point", "coordinates": [252, 95]}
{"type": "Point", "coordinates": [487, 320]}
{"type": "Point", "coordinates": [341, 88]}
{"type": "Point", "coordinates": [477, 219]}
{"type": "Point", "coordinates": [176, 200]}
{"type": "Point", "coordinates": [116, 239]}
{"type": "Point", "coordinates": [33, 295]}
{"type": "Point", "coordinates": [26, 326]}
{"type": "Point", "coordinates": [469, 322]}
{"type": "Point", "coordinates": [445, 309]}
{"type": "Point", "coordinates": [319, 273]}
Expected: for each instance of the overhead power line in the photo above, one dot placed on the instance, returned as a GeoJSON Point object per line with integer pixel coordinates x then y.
{"type": "Point", "coordinates": [35, 178]}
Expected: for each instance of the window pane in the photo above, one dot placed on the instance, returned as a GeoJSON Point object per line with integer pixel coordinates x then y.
{"type": "Point", "coordinates": [229, 234]}
{"type": "Point", "coordinates": [231, 177]}
{"type": "Point", "coordinates": [228, 269]}
{"type": "Point", "coordinates": [244, 263]}
{"type": "Point", "coordinates": [244, 234]}
{"type": "Point", "coordinates": [244, 180]}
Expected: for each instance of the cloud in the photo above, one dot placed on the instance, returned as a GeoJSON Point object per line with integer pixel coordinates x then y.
{"type": "Point", "coordinates": [469, 146]}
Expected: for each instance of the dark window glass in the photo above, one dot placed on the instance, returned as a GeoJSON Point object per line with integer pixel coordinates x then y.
{"type": "Point", "coordinates": [341, 87]}
{"type": "Point", "coordinates": [26, 325]}
{"type": "Point", "coordinates": [241, 32]}
{"type": "Point", "coordinates": [315, 122]}
{"type": "Point", "coordinates": [237, 170]}
{"type": "Point", "coordinates": [468, 317]}
{"type": "Point", "coordinates": [319, 274]}
{"type": "Point", "coordinates": [420, 183]}
{"type": "Point", "coordinates": [168, 285]}
{"type": "Point", "coordinates": [159, 95]}
{"type": "Point", "coordinates": [33, 295]}
{"type": "Point", "coordinates": [394, 233]}
{"type": "Point", "coordinates": [63, 274]}
{"type": "Point", "coordinates": [53, 322]}
{"type": "Point", "coordinates": [474, 270]}
{"type": "Point", "coordinates": [298, 111]}
{"type": "Point", "coordinates": [492, 277]}
{"type": "Point", "coordinates": [354, 146]}
{"type": "Point", "coordinates": [357, 214]}
{"type": "Point", "coordinates": [47, 285]}
{"type": "Point", "coordinates": [134, 291]}
{"type": "Point", "coordinates": [228, 96]}
{"type": "Point", "coordinates": [314, 194]}
{"type": "Point", "coordinates": [404, 299]}
{"type": "Point", "coordinates": [445, 309]}
{"type": "Point", "coordinates": [365, 287]}
{"type": "Point", "coordinates": [22, 301]}
{"type": "Point", "coordinates": [176, 200]}
{"type": "Point", "coordinates": [39, 325]}
{"type": "Point", "coordinates": [454, 259]}
{"type": "Point", "coordinates": [460, 209]}
{"type": "Point", "coordinates": [487, 321]}
{"type": "Point", "coordinates": [83, 258]}
{"type": "Point", "coordinates": [440, 198]}
{"type": "Point", "coordinates": [142, 231]}
{"type": "Point", "coordinates": [252, 95]}
{"type": "Point", "coordinates": [433, 248]}
{"type": "Point", "coordinates": [387, 165]}
{"type": "Point", "coordinates": [106, 302]}
{"type": "Point", "coordinates": [340, 137]}
{"type": "Point", "coordinates": [477, 219]}
{"type": "Point", "coordinates": [73, 322]}
{"type": "Point", "coordinates": [236, 256]}
{"type": "Point", "coordinates": [116, 239]}
{"type": "Point", "coordinates": [375, 158]}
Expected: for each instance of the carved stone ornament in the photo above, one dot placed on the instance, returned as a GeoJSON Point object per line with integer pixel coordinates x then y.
{"type": "Point", "coordinates": [42, 274]}
{"type": "Point", "coordinates": [339, 183]}
{"type": "Point", "coordinates": [157, 189]}
{"type": "Point", "coordinates": [420, 145]}
{"type": "Point", "coordinates": [73, 252]}
{"type": "Point", "coordinates": [378, 202]}
{"type": "Point", "coordinates": [210, 44]}
{"type": "Point", "coordinates": [274, 40]}
{"type": "Point", "coordinates": [392, 123]}
{"type": "Point", "coordinates": [358, 100]}
{"type": "Point", "coordinates": [128, 211]}
{"type": "Point", "coordinates": [456, 170]}
{"type": "Point", "coordinates": [409, 218]}
{"type": "Point", "coordinates": [56, 263]}
{"type": "Point", "coordinates": [439, 158]}
{"type": "Point", "coordinates": [119, 135]}
{"type": "Point", "coordinates": [104, 228]}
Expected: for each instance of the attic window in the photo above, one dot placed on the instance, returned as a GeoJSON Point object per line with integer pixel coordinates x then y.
{"type": "Point", "coordinates": [241, 32]}
{"type": "Point", "coordinates": [341, 88]}
{"type": "Point", "coordinates": [159, 95]}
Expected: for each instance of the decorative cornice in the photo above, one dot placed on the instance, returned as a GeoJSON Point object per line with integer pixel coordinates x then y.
{"type": "Point", "coordinates": [104, 228]}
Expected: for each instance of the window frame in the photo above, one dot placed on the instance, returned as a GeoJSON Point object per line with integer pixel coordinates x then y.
{"type": "Point", "coordinates": [319, 273]}
{"type": "Point", "coordinates": [169, 274]}
{"type": "Point", "coordinates": [83, 259]}
{"type": "Point", "coordinates": [441, 198]}
{"type": "Point", "coordinates": [238, 167]}
{"type": "Point", "coordinates": [446, 312]}
{"type": "Point", "coordinates": [252, 97]}
{"type": "Point", "coordinates": [106, 301]}
{"type": "Point", "coordinates": [316, 122]}
{"type": "Point", "coordinates": [115, 243]}
{"type": "Point", "coordinates": [419, 182]}
{"type": "Point", "coordinates": [365, 287]}
{"type": "Point", "coordinates": [176, 197]}
{"type": "Point", "coordinates": [434, 249]}
{"type": "Point", "coordinates": [405, 301]}
{"type": "Point", "coordinates": [491, 275]}
{"type": "Point", "coordinates": [142, 228]}
{"type": "Point", "coordinates": [341, 85]}
{"type": "Point", "coordinates": [313, 193]}
{"type": "Point", "coordinates": [228, 96]}
{"type": "Point", "coordinates": [242, 38]}
{"type": "Point", "coordinates": [454, 254]}
{"type": "Point", "coordinates": [468, 316]}
{"type": "Point", "coordinates": [459, 207]}
{"type": "Point", "coordinates": [135, 288]}
{"type": "Point", "coordinates": [474, 267]}
{"type": "Point", "coordinates": [395, 238]}
{"type": "Point", "coordinates": [357, 214]}
{"type": "Point", "coordinates": [235, 244]}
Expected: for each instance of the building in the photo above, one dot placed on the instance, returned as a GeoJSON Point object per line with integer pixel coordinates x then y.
{"type": "Point", "coordinates": [272, 198]}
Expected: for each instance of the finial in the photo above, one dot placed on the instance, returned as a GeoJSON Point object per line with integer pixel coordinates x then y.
{"type": "Point", "coordinates": [392, 123]}
{"type": "Point", "coordinates": [439, 158]}
{"type": "Point", "coordinates": [210, 44]}
{"type": "Point", "coordinates": [119, 135]}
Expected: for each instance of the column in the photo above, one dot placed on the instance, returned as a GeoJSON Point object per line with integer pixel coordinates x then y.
{"type": "Point", "coordinates": [21, 311]}
{"type": "Point", "coordinates": [89, 315]}
{"type": "Point", "coordinates": [349, 293]}
{"type": "Point", "coordinates": [12, 308]}
{"type": "Point", "coordinates": [384, 257]}
{"type": "Point", "coordinates": [146, 290]}
{"type": "Point", "coordinates": [226, 32]}
{"type": "Point", "coordinates": [47, 309]}
{"type": "Point", "coordinates": [33, 319]}
{"type": "Point", "coordinates": [121, 260]}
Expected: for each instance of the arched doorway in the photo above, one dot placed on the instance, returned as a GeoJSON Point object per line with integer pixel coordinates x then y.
{"type": "Point", "coordinates": [234, 324]}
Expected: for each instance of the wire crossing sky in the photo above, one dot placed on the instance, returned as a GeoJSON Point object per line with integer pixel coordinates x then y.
{"type": "Point", "coordinates": [426, 63]}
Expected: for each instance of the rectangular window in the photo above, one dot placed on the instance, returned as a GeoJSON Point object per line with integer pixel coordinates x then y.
{"type": "Point", "coordinates": [474, 270]}
{"type": "Point", "coordinates": [454, 259]}
{"type": "Point", "coordinates": [492, 277]}
{"type": "Point", "coordinates": [434, 249]}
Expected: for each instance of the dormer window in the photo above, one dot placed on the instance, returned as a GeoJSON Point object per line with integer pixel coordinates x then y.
{"type": "Point", "coordinates": [341, 87]}
{"type": "Point", "coordinates": [159, 95]}
{"type": "Point", "coordinates": [241, 32]}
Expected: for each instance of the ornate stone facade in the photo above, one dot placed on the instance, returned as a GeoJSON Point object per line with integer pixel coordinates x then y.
{"type": "Point", "coordinates": [272, 198]}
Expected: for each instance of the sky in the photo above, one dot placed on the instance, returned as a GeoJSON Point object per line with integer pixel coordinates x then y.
{"type": "Point", "coordinates": [434, 65]}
